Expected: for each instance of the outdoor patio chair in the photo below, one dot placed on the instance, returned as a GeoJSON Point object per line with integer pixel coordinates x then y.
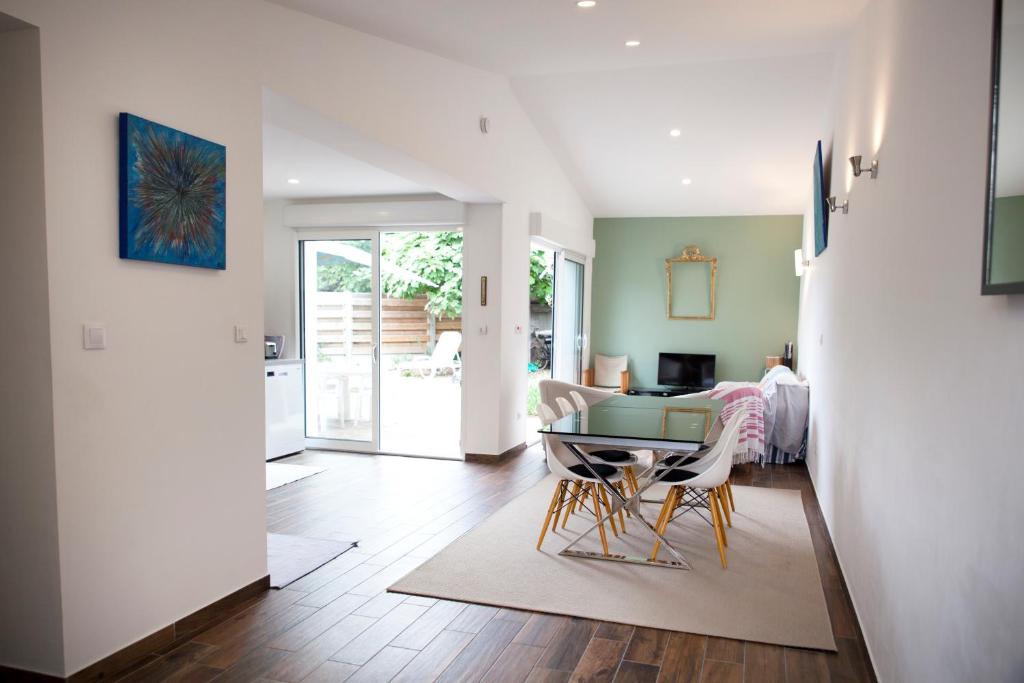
{"type": "Point", "coordinates": [445, 356]}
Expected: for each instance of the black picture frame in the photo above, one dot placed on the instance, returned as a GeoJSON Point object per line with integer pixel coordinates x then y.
{"type": "Point", "coordinates": [987, 286]}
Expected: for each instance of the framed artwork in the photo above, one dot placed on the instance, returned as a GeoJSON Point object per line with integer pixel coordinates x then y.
{"type": "Point", "coordinates": [171, 195]}
{"type": "Point", "coordinates": [820, 203]}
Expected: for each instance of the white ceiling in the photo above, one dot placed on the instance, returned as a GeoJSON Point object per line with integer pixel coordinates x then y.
{"type": "Point", "coordinates": [746, 81]}
{"type": "Point", "coordinates": [519, 37]}
{"type": "Point", "coordinates": [322, 171]}
{"type": "Point", "coordinates": [748, 133]}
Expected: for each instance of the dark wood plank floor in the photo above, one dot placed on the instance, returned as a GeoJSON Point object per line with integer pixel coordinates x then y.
{"type": "Point", "coordinates": [338, 623]}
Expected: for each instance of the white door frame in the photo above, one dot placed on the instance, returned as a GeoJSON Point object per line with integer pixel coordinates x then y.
{"type": "Point", "coordinates": [373, 445]}
{"type": "Point", "coordinates": [373, 233]}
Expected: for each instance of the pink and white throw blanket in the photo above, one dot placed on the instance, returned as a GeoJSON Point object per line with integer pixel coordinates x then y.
{"type": "Point", "coordinates": [750, 447]}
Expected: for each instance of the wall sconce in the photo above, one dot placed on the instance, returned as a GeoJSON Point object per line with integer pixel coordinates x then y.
{"type": "Point", "coordinates": [845, 206]}
{"type": "Point", "coordinates": [799, 264]}
{"type": "Point", "coordinates": [855, 162]}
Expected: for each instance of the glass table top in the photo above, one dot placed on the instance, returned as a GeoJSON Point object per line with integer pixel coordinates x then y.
{"type": "Point", "coordinates": [651, 418]}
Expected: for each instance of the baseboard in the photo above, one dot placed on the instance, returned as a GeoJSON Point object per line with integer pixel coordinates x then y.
{"type": "Point", "coordinates": [842, 577]}
{"type": "Point", "coordinates": [13, 675]}
{"type": "Point", "coordinates": [155, 644]}
{"type": "Point", "coordinates": [490, 458]}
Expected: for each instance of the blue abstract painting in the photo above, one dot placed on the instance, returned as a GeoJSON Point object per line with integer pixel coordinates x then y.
{"type": "Point", "coordinates": [820, 204]}
{"type": "Point", "coordinates": [172, 195]}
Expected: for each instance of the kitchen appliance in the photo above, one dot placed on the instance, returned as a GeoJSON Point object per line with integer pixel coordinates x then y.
{"type": "Point", "coordinates": [285, 408]}
{"type": "Point", "coordinates": [273, 346]}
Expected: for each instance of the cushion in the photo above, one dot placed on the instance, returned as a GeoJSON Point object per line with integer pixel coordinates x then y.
{"type": "Point", "coordinates": [673, 459]}
{"type": "Point", "coordinates": [601, 469]}
{"type": "Point", "coordinates": [608, 370]}
{"type": "Point", "coordinates": [676, 476]}
{"type": "Point", "coordinates": [612, 455]}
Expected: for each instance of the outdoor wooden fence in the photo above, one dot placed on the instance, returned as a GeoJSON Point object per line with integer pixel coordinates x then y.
{"type": "Point", "coordinates": [344, 325]}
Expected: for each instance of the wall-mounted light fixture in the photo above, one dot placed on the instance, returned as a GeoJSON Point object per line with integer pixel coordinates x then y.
{"type": "Point", "coordinates": [844, 207]}
{"type": "Point", "coordinates": [799, 264]}
{"type": "Point", "coordinates": [855, 162]}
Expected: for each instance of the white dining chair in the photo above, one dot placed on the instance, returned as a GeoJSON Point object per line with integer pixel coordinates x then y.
{"type": "Point", "coordinates": [576, 483]}
{"type": "Point", "coordinates": [702, 485]}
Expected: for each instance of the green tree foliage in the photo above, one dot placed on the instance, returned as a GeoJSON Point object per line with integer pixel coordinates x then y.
{"type": "Point", "coordinates": [433, 256]}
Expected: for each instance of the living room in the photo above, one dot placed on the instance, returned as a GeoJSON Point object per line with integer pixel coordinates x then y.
{"type": "Point", "coordinates": [623, 134]}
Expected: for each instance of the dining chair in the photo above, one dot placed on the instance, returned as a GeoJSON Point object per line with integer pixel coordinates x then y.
{"type": "Point", "coordinates": [702, 485]}
{"type": "Point", "coordinates": [622, 460]}
{"type": "Point", "coordinates": [584, 485]}
{"type": "Point", "coordinates": [608, 457]}
{"type": "Point", "coordinates": [612, 456]}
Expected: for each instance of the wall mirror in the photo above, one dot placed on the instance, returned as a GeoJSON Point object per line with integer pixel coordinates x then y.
{"type": "Point", "coordinates": [1003, 268]}
{"type": "Point", "coordinates": [690, 285]}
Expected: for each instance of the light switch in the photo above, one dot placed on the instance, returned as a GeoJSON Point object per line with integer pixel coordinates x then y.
{"type": "Point", "coordinates": [240, 337]}
{"type": "Point", "coordinates": [94, 336]}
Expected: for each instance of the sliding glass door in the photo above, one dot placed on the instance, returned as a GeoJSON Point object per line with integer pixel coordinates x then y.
{"type": "Point", "coordinates": [340, 337]}
{"type": "Point", "coordinates": [382, 338]}
{"type": "Point", "coordinates": [570, 342]}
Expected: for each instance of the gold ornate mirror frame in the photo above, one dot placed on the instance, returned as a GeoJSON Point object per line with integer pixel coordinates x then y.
{"type": "Point", "coordinates": [691, 254]}
{"type": "Point", "coordinates": [706, 412]}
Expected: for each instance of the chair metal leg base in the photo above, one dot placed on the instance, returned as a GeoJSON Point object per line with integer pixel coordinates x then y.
{"type": "Point", "coordinates": [632, 503]}
{"type": "Point", "coordinates": [629, 559]}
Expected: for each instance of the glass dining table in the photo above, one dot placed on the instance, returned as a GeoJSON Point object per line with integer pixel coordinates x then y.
{"type": "Point", "coordinates": [664, 425]}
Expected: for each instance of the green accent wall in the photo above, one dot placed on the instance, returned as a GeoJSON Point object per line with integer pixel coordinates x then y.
{"type": "Point", "coordinates": [757, 294]}
{"type": "Point", "coordinates": [1008, 240]}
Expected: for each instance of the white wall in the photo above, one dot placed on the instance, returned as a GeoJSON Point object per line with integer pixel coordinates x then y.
{"type": "Point", "coordinates": [916, 388]}
{"type": "Point", "coordinates": [280, 277]}
{"type": "Point", "coordinates": [30, 618]}
{"type": "Point", "coordinates": [159, 439]}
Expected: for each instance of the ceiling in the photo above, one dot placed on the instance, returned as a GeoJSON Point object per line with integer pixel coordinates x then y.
{"type": "Point", "coordinates": [522, 37]}
{"type": "Point", "coordinates": [321, 171]}
{"type": "Point", "coordinates": [745, 82]}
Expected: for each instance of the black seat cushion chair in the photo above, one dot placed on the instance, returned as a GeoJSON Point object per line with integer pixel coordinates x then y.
{"type": "Point", "coordinates": [676, 476]}
{"type": "Point", "coordinates": [612, 455]}
{"type": "Point", "coordinates": [601, 469]}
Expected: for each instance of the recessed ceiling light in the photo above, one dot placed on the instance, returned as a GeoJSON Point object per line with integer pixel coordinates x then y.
{"type": "Point", "coordinates": [293, 181]}
{"type": "Point", "coordinates": [675, 132]}
{"type": "Point", "coordinates": [586, 4]}
{"type": "Point", "coordinates": [686, 181]}
{"type": "Point", "coordinates": [632, 43]}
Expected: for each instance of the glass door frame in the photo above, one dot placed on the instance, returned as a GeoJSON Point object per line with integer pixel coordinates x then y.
{"type": "Point", "coordinates": [565, 306]}
{"type": "Point", "coordinates": [345, 235]}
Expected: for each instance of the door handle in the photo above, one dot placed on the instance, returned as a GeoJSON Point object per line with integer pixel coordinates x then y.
{"type": "Point", "coordinates": [373, 354]}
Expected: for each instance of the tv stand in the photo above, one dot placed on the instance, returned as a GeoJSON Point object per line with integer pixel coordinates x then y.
{"type": "Point", "coordinates": [665, 391]}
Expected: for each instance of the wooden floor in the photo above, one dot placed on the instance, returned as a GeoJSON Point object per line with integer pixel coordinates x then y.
{"type": "Point", "coordinates": [338, 623]}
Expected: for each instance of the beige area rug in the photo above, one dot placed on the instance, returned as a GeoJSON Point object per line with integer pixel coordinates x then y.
{"type": "Point", "coordinates": [770, 593]}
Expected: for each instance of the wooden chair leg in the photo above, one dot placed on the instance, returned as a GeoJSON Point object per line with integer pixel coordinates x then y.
{"type": "Point", "coordinates": [595, 498]}
{"type": "Point", "coordinates": [551, 510]}
{"type": "Point", "coordinates": [723, 503]}
{"type": "Point", "coordinates": [561, 504]}
{"type": "Point", "coordinates": [716, 522]}
{"type": "Point", "coordinates": [574, 497]}
{"type": "Point", "coordinates": [667, 508]}
{"type": "Point", "coordinates": [728, 490]}
{"type": "Point", "coordinates": [608, 507]}
{"type": "Point", "coordinates": [622, 491]}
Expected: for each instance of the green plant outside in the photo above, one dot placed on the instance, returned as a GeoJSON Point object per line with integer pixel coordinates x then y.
{"type": "Point", "coordinates": [433, 256]}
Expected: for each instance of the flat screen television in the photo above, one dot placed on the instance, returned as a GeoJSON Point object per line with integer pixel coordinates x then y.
{"type": "Point", "coordinates": [686, 370]}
